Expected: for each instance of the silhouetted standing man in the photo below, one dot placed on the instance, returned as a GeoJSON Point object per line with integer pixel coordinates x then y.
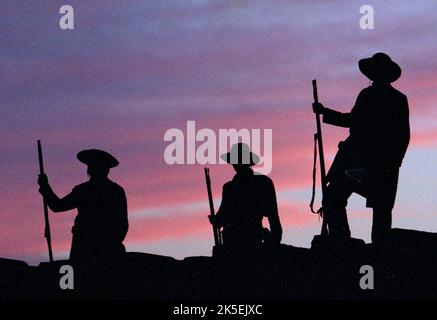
{"type": "Point", "coordinates": [246, 199]}
{"type": "Point", "coordinates": [368, 161]}
{"type": "Point", "coordinates": [101, 224]}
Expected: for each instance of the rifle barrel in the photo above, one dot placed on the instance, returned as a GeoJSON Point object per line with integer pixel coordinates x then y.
{"type": "Point", "coordinates": [321, 153]}
{"type": "Point", "coordinates": [215, 230]}
{"type": "Point", "coordinates": [320, 140]}
{"type": "Point", "coordinates": [47, 233]}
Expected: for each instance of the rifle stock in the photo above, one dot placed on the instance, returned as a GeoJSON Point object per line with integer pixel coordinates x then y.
{"type": "Point", "coordinates": [47, 233]}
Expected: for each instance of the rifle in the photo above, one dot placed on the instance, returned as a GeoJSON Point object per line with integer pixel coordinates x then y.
{"type": "Point", "coordinates": [217, 234]}
{"type": "Point", "coordinates": [318, 144]}
{"type": "Point", "coordinates": [47, 234]}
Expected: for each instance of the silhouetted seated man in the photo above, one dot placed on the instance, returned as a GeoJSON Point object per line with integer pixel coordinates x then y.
{"type": "Point", "coordinates": [368, 161]}
{"type": "Point", "coordinates": [101, 224]}
{"type": "Point", "coordinates": [246, 199]}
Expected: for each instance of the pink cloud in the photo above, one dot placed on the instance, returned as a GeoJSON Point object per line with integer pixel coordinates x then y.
{"type": "Point", "coordinates": [120, 82]}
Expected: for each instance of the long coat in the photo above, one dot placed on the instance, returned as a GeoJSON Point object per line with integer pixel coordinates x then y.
{"type": "Point", "coordinates": [379, 137]}
{"type": "Point", "coordinates": [246, 199]}
{"type": "Point", "coordinates": [101, 224]}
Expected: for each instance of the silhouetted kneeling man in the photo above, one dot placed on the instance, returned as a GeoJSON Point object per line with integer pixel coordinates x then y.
{"type": "Point", "coordinates": [101, 224]}
{"type": "Point", "coordinates": [368, 161]}
{"type": "Point", "coordinates": [246, 199]}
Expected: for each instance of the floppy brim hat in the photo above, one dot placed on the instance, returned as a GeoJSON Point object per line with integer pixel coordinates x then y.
{"type": "Point", "coordinates": [380, 67]}
{"type": "Point", "coordinates": [241, 154]}
{"type": "Point", "coordinates": [97, 157]}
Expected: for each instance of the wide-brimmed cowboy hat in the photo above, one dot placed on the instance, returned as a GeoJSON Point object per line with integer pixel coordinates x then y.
{"type": "Point", "coordinates": [380, 67]}
{"type": "Point", "coordinates": [241, 154]}
{"type": "Point", "coordinates": [95, 157]}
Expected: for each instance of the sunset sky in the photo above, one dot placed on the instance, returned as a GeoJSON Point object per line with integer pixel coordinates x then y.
{"type": "Point", "coordinates": [130, 70]}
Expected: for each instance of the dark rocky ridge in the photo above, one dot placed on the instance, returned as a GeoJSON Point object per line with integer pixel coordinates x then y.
{"type": "Point", "coordinates": [405, 268]}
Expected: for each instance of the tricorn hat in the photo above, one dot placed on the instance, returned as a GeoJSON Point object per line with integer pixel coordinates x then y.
{"type": "Point", "coordinates": [380, 67]}
{"type": "Point", "coordinates": [98, 158]}
{"type": "Point", "coordinates": [241, 154]}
